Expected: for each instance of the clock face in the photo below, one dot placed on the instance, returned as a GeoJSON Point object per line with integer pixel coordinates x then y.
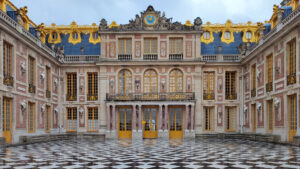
{"type": "Point", "coordinates": [150, 19]}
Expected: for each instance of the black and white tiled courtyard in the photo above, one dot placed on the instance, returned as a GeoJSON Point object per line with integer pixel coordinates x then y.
{"type": "Point", "coordinates": [205, 153]}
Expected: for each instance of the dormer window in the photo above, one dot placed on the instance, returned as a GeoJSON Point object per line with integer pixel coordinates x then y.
{"type": "Point", "coordinates": [54, 36]}
{"type": "Point", "coordinates": [227, 35]}
{"type": "Point", "coordinates": [75, 35]}
{"type": "Point", "coordinates": [95, 35]}
{"type": "Point", "coordinates": [248, 35]}
{"type": "Point", "coordinates": [206, 35]}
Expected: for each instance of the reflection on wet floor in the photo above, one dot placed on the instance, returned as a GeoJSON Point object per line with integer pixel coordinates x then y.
{"type": "Point", "coordinates": [151, 153]}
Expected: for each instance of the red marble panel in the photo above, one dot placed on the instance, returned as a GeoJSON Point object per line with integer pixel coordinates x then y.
{"type": "Point", "coordinates": [138, 49]}
{"type": "Point", "coordinates": [279, 86]}
{"type": "Point", "coordinates": [163, 49]}
{"type": "Point", "coordinates": [281, 64]}
{"type": "Point", "coordinates": [188, 49]}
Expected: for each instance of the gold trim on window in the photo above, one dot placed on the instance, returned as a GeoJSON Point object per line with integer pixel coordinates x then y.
{"type": "Point", "coordinates": [71, 87]}
{"type": "Point", "coordinates": [150, 84]}
{"type": "Point", "coordinates": [7, 64]}
{"type": "Point", "coordinates": [230, 119]}
{"type": "Point", "coordinates": [253, 80]}
{"type": "Point", "coordinates": [230, 86]}
{"type": "Point", "coordinates": [93, 119]}
{"type": "Point", "coordinates": [209, 119]}
{"type": "Point", "coordinates": [92, 86]}
{"type": "Point", "coordinates": [31, 117]}
{"type": "Point", "coordinates": [31, 74]}
{"type": "Point", "coordinates": [291, 68]}
{"type": "Point", "coordinates": [209, 86]}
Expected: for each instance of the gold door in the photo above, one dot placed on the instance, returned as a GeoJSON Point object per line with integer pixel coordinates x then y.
{"type": "Point", "coordinates": [125, 122]}
{"type": "Point", "coordinates": [292, 117]}
{"type": "Point", "coordinates": [150, 119]}
{"type": "Point", "coordinates": [48, 119]}
{"type": "Point", "coordinates": [175, 121]}
{"type": "Point", "coordinates": [253, 117]}
{"type": "Point", "coordinates": [6, 117]}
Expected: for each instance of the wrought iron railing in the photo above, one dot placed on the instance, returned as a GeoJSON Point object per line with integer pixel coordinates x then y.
{"type": "Point", "coordinates": [8, 80]}
{"type": "Point", "coordinates": [31, 88]}
{"type": "Point", "coordinates": [231, 96]}
{"type": "Point", "coordinates": [208, 95]}
{"type": "Point", "coordinates": [182, 96]}
{"type": "Point", "coordinates": [124, 57]}
{"type": "Point", "coordinates": [253, 92]}
{"type": "Point", "coordinates": [92, 97]}
{"type": "Point", "coordinates": [175, 56]}
{"type": "Point", "coordinates": [71, 97]}
{"type": "Point", "coordinates": [291, 79]}
{"type": "Point", "coordinates": [48, 93]}
{"type": "Point", "coordinates": [269, 87]}
{"type": "Point", "coordinates": [150, 57]}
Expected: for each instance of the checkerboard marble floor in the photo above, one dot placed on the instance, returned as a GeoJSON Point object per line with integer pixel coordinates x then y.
{"type": "Point", "coordinates": [144, 154]}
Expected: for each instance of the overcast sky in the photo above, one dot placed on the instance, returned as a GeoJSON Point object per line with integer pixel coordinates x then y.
{"type": "Point", "coordinates": [63, 12]}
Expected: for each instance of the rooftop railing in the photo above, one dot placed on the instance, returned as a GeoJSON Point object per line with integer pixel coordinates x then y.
{"type": "Point", "coordinates": [168, 96]}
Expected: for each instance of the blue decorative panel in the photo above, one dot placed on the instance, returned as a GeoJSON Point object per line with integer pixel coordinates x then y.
{"type": "Point", "coordinates": [268, 28]}
{"type": "Point", "coordinates": [231, 48]}
{"type": "Point", "coordinates": [70, 49]}
{"type": "Point", "coordinates": [12, 14]}
{"type": "Point", "coordinates": [287, 11]}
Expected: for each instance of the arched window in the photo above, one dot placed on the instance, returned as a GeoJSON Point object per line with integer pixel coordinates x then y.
{"type": "Point", "coordinates": [176, 81]}
{"type": "Point", "coordinates": [54, 36]}
{"type": "Point", "coordinates": [125, 82]}
{"type": "Point", "coordinates": [75, 35]}
{"type": "Point", "coordinates": [150, 81]}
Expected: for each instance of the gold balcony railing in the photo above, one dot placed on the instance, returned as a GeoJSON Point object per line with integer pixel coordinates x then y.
{"type": "Point", "coordinates": [231, 96]}
{"type": "Point", "coordinates": [291, 79]}
{"type": "Point", "coordinates": [269, 87]}
{"type": "Point", "coordinates": [48, 94]}
{"type": "Point", "coordinates": [92, 97]}
{"type": "Point", "coordinates": [178, 96]}
{"type": "Point", "coordinates": [253, 92]}
{"type": "Point", "coordinates": [31, 88]}
{"type": "Point", "coordinates": [208, 95]}
{"type": "Point", "coordinates": [71, 97]}
{"type": "Point", "coordinates": [8, 80]}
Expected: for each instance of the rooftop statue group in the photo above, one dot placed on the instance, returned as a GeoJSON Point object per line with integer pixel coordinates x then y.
{"type": "Point", "coordinates": [163, 23]}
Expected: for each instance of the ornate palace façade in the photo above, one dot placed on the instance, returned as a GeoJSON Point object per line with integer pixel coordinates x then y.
{"type": "Point", "coordinates": [150, 78]}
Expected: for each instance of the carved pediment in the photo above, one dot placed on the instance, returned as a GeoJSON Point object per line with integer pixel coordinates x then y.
{"type": "Point", "coordinates": [150, 20]}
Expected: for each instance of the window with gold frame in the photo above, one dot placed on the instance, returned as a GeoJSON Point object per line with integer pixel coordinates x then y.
{"type": "Point", "coordinates": [291, 61]}
{"type": "Point", "coordinates": [176, 46]}
{"type": "Point", "coordinates": [150, 84]}
{"type": "Point", "coordinates": [209, 118]}
{"type": "Point", "coordinates": [7, 64]}
{"type": "Point", "coordinates": [7, 119]}
{"type": "Point", "coordinates": [292, 101]}
{"type": "Point", "coordinates": [48, 82]}
{"type": "Point", "coordinates": [125, 46]}
{"type": "Point", "coordinates": [230, 119]}
{"type": "Point", "coordinates": [125, 82]}
{"type": "Point", "coordinates": [93, 119]}
{"type": "Point", "coordinates": [150, 46]}
{"type": "Point", "coordinates": [270, 114]}
{"type": "Point", "coordinates": [71, 86]}
{"type": "Point", "coordinates": [71, 119]}
{"type": "Point", "coordinates": [31, 117]}
{"type": "Point", "coordinates": [92, 86]}
{"type": "Point", "coordinates": [209, 86]}
{"type": "Point", "coordinates": [253, 80]}
{"type": "Point", "coordinates": [31, 74]}
{"type": "Point", "coordinates": [48, 119]}
{"type": "Point", "coordinates": [230, 86]}
{"type": "Point", "coordinates": [269, 65]}
{"type": "Point", "coordinates": [176, 81]}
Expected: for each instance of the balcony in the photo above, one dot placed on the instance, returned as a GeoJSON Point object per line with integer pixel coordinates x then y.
{"type": "Point", "coordinates": [291, 79]}
{"type": "Point", "coordinates": [253, 92]}
{"type": "Point", "coordinates": [92, 97]}
{"type": "Point", "coordinates": [124, 57]}
{"type": "Point", "coordinates": [208, 95]}
{"type": "Point", "coordinates": [231, 96]}
{"type": "Point", "coordinates": [174, 57]}
{"type": "Point", "coordinates": [8, 80]}
{"type": "Point", "coordinates": [31, 88]}
{"type": "Point", "coordinates": [183, 96]}
{"type": "Point", "coordinates": [81, 58]}
{"type": "Point", "coordinates": [150, 57]}
{"type": "Point", "coordinates": [71, 97]}
{"type": "Point", "coordinates": [269, 87]}
{"type": "Point", "coordinates": [48, 94]}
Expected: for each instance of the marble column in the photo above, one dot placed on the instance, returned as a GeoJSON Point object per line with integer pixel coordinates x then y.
{"type": "Point", "coordinates": [133, 118]}
{"type": "Point", "coordinates": [140, 118]}
{"type": "Point", "coordinates": [186, 117]}
{"type": "Point", "coordinates": [192, 117]}
{"type": "Point", "coordinates": [166, 118]}
{"type": "Point", "coordinates": [113, 117]}
{"type": "Point", "coordinates": [160, 118]}
{"type": "Point", "coordinates": [108, 118]}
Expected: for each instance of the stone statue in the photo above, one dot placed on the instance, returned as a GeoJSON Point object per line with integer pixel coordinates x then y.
{"type": "Point", "coordinates": [103, 24]}
{"type": "Point", "coordinates": [197, 23]}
